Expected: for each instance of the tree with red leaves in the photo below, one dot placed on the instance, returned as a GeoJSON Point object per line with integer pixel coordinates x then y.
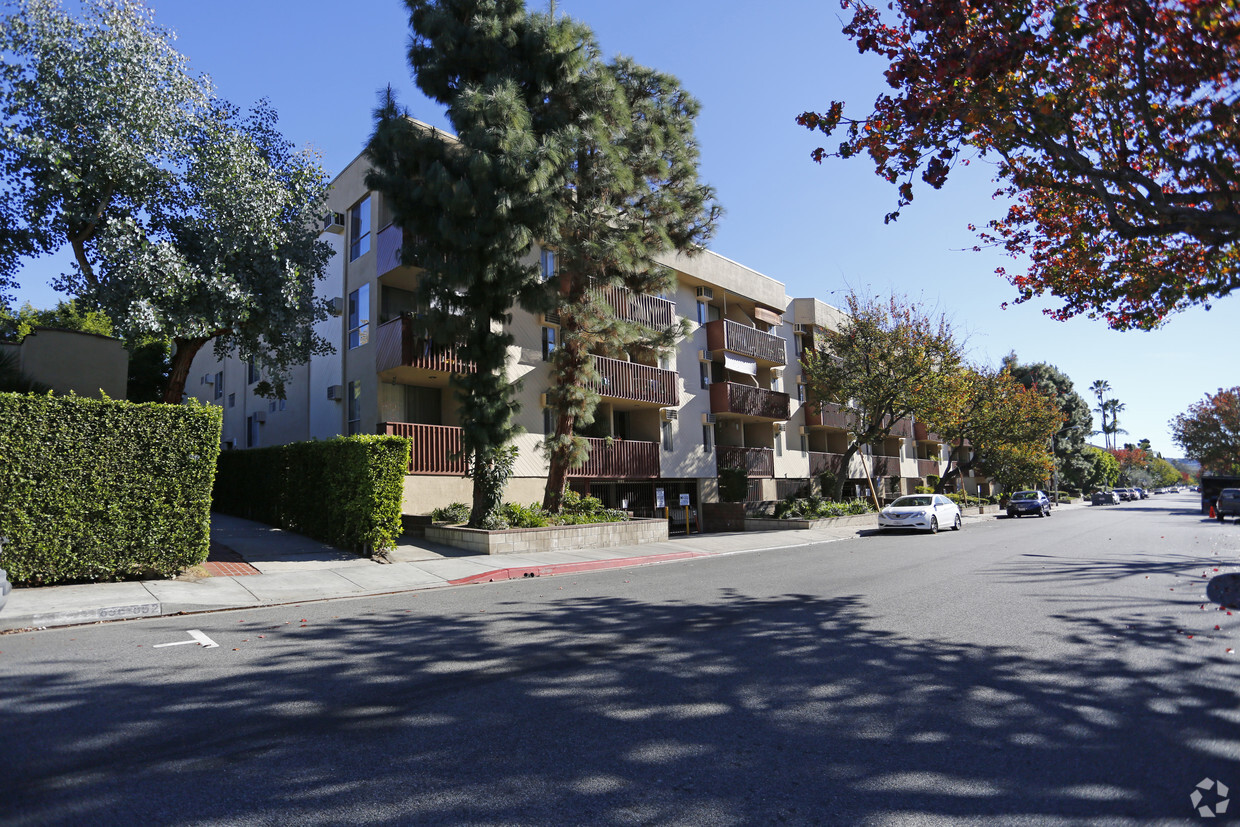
{"type": "Point", "coordinates": [1115, 123]}
{"type": "Point", "coordinates": [1209, 431]}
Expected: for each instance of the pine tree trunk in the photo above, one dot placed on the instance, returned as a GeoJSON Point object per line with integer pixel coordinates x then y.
{"type": "Point", "coordinates": [557, 472]}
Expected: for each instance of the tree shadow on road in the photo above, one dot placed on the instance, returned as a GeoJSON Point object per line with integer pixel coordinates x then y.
{"type": "Point", "coordinates": [612, 710]}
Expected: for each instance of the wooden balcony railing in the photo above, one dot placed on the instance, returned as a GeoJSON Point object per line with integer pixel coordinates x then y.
{"type": "Point", "coordinates": [622, 459]}
{"type": "Point", "coordinates": [883, 466]}
{"type": "Point", "coordinates": [828, 414]}
{"type": "Point", "coordinates": [619, 379]}
{"type": "Point", "coordinates": [923, 434]}
{"type": "Point", "coordinates": [820, 461]}
{"type": "Point", "coordinates": [651, 311]}
{"type": "Point", "coordinates": [399, 346]}
{"type": "Point", "coordinates": [723, 334]}
{"type": "Point", "coordinates": [903, 428]}
{"type": "Point", "coordinates": [757, 462]}
{"type": "Point", "coordinates": [433, 447]}
{"type": "Point", "coordinates": [926, 467]}
{"type": "Point", "coordinates": [732, 397]}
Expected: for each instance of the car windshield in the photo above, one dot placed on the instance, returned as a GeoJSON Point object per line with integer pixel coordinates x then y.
{"type": "Point", "coordinates": [1025, 495]}
{"type": "Point", "coordinates": [911, 502]}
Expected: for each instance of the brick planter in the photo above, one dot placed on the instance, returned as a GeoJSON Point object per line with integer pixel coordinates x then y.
{"type": "Point", "coordinates": [551, 538]}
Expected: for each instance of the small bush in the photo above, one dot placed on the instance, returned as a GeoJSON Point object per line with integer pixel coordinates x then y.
{"type": "Point", "coordinates": [524, 516]}
{"type": "Point", "coordinates": [451, 513]}
{"type": "Point", "coordinates": [924, 489]}
{"type": "Point", "coordinates": [815, 508]}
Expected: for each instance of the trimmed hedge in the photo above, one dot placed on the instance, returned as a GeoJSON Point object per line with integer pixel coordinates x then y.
{"type": "Point", "coordinates": [103, 490]}
{"type": "Point", "coordinates": [346, 491]}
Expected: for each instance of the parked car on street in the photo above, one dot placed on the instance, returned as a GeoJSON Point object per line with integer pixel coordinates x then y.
{"type": "Point", "coordinates": [1142, 494]}
{"type": "Point", "coordinates": [1126, 494]}
{"type": "Point", "coordinates": [928, 512]}
{"type": "Point", "coordinates": [1029, 502]}
{"type": "Point", "coordinates": [1104, 498]}
{"type": "Point", "coordinates": [1228, 504]}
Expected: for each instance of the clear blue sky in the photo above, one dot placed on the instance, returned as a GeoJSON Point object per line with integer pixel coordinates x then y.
{"type": "Point", "coordinates": [754, 67]}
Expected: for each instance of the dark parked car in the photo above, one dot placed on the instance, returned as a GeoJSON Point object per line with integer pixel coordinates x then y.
{"type": "Point", "coordinates": [1029, 502]}
{"type": "Point", "coordinates": [1228, 504]}
{"type": "Point", "coordinates": [1105, 498]}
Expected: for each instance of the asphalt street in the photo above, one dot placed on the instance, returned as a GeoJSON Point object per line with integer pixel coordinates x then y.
{"type": "Point", "coordinates": [1075, 669]}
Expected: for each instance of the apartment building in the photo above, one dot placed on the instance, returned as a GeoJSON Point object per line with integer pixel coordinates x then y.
{"type": "Point", "coordinates": [732, 394]}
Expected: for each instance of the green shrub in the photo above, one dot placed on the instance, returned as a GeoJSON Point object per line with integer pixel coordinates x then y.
{"type": "Point", "coordinates": [451, 513]}
{"type": "Point", "coordinates": [932, 481]}
{"type": "Point", "coordinates": [924, 489]}
{"type": "Point", "coordinates": [811, 508]}
{"type": "Point", "coordinates": [345, 491]}
{"type": "Point", "coordinates": [524, 516]}
{"type": "Point", "coordinates": [104, 490]}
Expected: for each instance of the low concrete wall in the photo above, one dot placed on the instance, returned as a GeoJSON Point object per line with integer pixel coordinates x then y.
{"type": "Point", "coordinates": [552, 538]}
{"type": "Point", "coordinates": [770, 524]}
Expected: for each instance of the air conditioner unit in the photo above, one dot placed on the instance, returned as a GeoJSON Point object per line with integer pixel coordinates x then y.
{"type": "Point", "coordinates": [260, 416]}
{"type": "Point", "coordinates": [542, 400]}
{"type": "Point", "coordinates": [803, 431]}
{"type": "Point", "coordinates": [708, 419]}
{"type": "Point", "coordinates": [670, 414]}
{"type": "Point", "coordinates": [209, 379]}
{"type": "Point", "coordinates": [706, 293]}
{"type": "Point", "coordinates": [706, 356]}
{"type": "Point", "coordinates": [333, 222]}
{"type": "Point", "coordinates": [776, 373]}
{"type": "Point", "coordinates": [230, 444]}
{"type": "Point", "coordinates": [335, 306]}
{"type": "Point", "coordinates": [335, 392]}
{"type": "Point", "coordinates": [549, 318]}
{"type": "Point", "coordinates": [802, 328]}
{"type": "Point", "coordinates": [779, 427]}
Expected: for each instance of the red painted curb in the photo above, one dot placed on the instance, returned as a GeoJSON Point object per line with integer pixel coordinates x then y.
{"type": "Point", "coordinates": [573, 568]}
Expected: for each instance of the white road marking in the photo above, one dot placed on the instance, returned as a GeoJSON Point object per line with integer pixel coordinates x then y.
{"type": "Point", "coordinates": [198, 637]}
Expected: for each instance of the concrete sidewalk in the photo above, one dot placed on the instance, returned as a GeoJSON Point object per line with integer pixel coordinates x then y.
{"type": "Point", "coordinates": [295, 569]}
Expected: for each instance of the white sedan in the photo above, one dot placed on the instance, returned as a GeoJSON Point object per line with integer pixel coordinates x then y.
{"type": "Point", "coordinates": [928, 512]}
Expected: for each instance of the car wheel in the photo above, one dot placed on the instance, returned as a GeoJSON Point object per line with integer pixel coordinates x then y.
{"type": "Point", "coordinates": [1220, 518]}
{"type": "Point", "coordinates": [934, 525]}
{"type": "Point", "coordinates": [956, 523]}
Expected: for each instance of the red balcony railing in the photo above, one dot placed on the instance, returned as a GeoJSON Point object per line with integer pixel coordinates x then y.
{"type": "Point", "coordinates": [622, 459]}
{"type": "Point", "coordinates": [757, 462]}
{"type": "Point", "coordinates": [723, 334]}
{"type": "Point", "coordinates": [400, 346]}
{"type": "Point", "coordinates": [746, 400]}
{"type": "Point", "coordinates": [619, 379]}
{"type": "Point", "coordinates": [923, 434]}
{"type": "Point", "coordinates": [829, 414]}
{"type": "Point", "coordinates": [651, 311]}
{"type": "Point", "coordinates": [820, 461]}
{"type": "Point", "coordinates": [434, 447]}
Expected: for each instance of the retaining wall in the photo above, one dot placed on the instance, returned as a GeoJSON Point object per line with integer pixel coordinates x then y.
{"type": "Point", "coordinates": [551, 538]}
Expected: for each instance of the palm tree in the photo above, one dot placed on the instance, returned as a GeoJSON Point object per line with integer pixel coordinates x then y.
{"type": "Point", "coordinates": [1113, 407]}
{"type": "Point", "coordinates": [1101, 387]}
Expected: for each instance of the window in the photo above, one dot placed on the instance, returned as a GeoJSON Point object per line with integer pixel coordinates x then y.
{"type": "Point", "coordinates": [232, 400]}
{"type": "Point", "coordinates": [548, 343]}
{"type": "Point", "coordinates": [354, 399]}
{"type": "Point", "coordinates": [546, 264]}
{"type": "Point", "coordinates": [800, 393]}
{"type": "Point", "coordinates": [703, 316]}
{"type": "Point", "coordinates": [283, 404]}
{"type": "Point", "coordinates": [359, 316]}
{"type": "Point", "coordinates": [707, 434]}
{"type": "Point", "coordinates": [252, 373]}
{"type": "Point", "coordinates": [271, 408]}
{"type": "Point", "coordinates": [779, 443]}
{"type": "Point", "coordinates": [804, 444]}
{"type": "Point", "coordinates": [704, 368]}
{"type": "Point", "coordinates": [219, 385]}
{"type": "Point", "coordinates": [548, 422]}
{"type": "Point", "coordinates": [667, 436]}
{"type": "Point", "coordinates": [251, 431]}
{"type": "Point", "coordinates": [359, 229]}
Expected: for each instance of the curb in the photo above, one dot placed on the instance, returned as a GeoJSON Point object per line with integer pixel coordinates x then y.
{"type": "Point", "coordinates": [551, 569]}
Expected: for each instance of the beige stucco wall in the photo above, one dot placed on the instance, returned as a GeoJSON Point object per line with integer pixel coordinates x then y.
{"type": "Point", "coordinates": [69, 361]}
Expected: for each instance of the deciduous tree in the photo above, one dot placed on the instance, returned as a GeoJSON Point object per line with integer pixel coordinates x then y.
{"type": "Point", "coordinates": [883, 364]}
{"type": "Point", "coordinates": [1078, 423]}
{"type": "Point", "coordinates": [1209, 431]}
{"type": "Point", "coordinates": [1114, 123]}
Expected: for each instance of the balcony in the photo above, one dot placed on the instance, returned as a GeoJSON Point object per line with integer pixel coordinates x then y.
{"type": "Point", "coordinates": [923, 434]}
{"type": "Point", "coordinates": [746, 400]}
{"type": "Point", "coordinates": [722, 334]}
{"type": "Point", "coordinates": [387, 248]}
{"type": "Point", "coordinates": [433, 447]}
{"type": "Point", "coordinates": [880, 465]}
{"type": "Point", "coordinates": [757, 462]}
{"type": "Point", "coordinates": [820, 461]}
{"type": "Point", "coordinates": [926, 467]}
{"type": "Point", "coordinates": [827, 414]}
{"type": "Point", "coordinates": [651, 311]}
{"type": "Point", "coordinates": [399, 346]}
{"type": "Point", "coordinates": [630, 381]}
{"type": "Point", "coordinates": [622, 459]}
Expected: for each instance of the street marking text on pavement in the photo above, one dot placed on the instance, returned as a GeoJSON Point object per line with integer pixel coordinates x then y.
{"type": "Point", "coordinates": [197, 637]}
